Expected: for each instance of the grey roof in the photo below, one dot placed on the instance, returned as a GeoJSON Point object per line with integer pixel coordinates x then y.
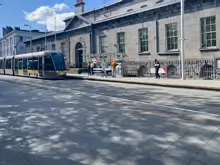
{"type": "Point", "coordinates": [44, 35]}
{"type": "Point", "coordinates": [95, 9]}
{"type": "Point", "coordinates": [139, 11]}
{"type": "Point", "coordinates": [21, 30]}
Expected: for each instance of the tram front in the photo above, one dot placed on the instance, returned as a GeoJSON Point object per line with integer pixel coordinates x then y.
{"type": "Point", "coordinates": [59, 63]}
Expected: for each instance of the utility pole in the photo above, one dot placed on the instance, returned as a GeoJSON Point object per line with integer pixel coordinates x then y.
{"type": "Point", "coordinates": [30, 36]}
{"type": "Point", "coordinates": [45, 44]}
{"type": "Point", "coordinates": [182, 41]}
{"type": "Point", "coordinates": [55, 32]}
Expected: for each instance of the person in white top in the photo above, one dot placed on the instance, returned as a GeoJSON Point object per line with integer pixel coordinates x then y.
{"type": "Point", "coordinates": [103, 69]}
{"type": "Point", "coordinates": [92, 66]}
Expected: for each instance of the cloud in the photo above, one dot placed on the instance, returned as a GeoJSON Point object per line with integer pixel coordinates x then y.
{"type": "Point", "coordinates": [48, 14]}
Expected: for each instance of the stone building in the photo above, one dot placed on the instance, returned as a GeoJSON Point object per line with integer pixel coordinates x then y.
{"type": "Point", "coordinates": [140, 31]}
{"type": "Point", "coordinates": [12, 40]}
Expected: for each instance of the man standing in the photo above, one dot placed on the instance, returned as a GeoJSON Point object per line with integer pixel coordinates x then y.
{"type": "Point", "coordinates": [157, 68]}
{"type": "Point", "coordinates": [114, 65]}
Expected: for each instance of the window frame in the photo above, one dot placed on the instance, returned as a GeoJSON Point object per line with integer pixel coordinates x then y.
{"type": "Point", "coordinates": [121, 44]}
{"type": "Point", "coordinates": [101, 45]}
{"type": "Point", "coordinates": [171, 37]}
{"type": "Point", "coordinates": [207, 32]}
{"type": "Point", "coordinates": [140, 41]}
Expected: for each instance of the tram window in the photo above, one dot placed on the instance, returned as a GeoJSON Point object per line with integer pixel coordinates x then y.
{"type": "Point", "coordinates": [1, 64]}
{"type": "Point", "coordinates": [16, 64]}
{"type": "Point", "coordinates": [20, 64]}
{"type": "Point", "coordinates": [48, 65]}
{"type": "Point", "coordinates": [8, 64]}
{"type": "Point", "coordinates": [40, 63]}
{"type": "Point", "coordinates": [35, 63]}
{"type": "Point", "coordinates": [59, 62]}
{"type": "Point", "coordinates": [25, 63]}
{"type": "Point", "coordinates": [30, 63]}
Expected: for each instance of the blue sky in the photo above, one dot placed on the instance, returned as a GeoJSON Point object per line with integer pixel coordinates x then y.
{"type": "Point", "coordinates": [11, 11]}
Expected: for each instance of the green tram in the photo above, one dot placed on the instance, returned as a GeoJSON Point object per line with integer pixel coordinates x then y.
{"type": "Point", "coordinates": [46, 65]}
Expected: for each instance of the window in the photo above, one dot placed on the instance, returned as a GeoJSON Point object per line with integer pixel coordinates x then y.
{"type": "Point", "coordinates": [172, 36]}
{"type": "Point", "coordinates": [208, 32]}
{"type": "Point", "coordinates": [53, 47]}
{"type": "Point", "coordinates": [121, 42]}
{"type": "Point", "coordinates": [25, 64]}
{"type": "Point", "coordinates": [20, 64]}
{"type": "Point", "coordinates": [33, 63]}
{"type": "Point", "coordinates": [8, 64]}
{"type": "Point", "coordinates": [1, 64]}
{"type": "Point", "coordinates": [103, 45]}
{"type": "Point", "coordinates": [20, 38]}
{"type": "Point", "coordinates": [48, 63]}
{"type": "Point", "coordinates": [38, 49]}
{"type": "Point", "coordinates": [16, 64]}
{"type": "Point", "coordinates": [143, 40]}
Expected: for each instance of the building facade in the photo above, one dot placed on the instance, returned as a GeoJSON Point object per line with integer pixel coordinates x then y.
{"type": "Point", "coordinates": [139, 31]}
{"type": "Point", "coordinates": [12, 42]}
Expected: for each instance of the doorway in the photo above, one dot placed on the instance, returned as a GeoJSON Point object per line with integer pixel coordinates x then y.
{"type": "Point", "coordinates": [79, 55]}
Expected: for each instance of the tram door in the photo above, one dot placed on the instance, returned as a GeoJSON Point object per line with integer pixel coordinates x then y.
{"type": "Point", "coordinates": [25, 66]}
{"type": "Point", "coordinates": [41, 64]}
{"type": "Point", "coordinates": [16, 66]}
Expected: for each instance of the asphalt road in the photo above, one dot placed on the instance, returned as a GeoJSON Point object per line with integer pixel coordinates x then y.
{"type": "Point", "coordinates": [107, 124]}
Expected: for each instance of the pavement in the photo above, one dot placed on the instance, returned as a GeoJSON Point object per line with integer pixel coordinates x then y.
{"type": "Point", "coordinates": [213, 85]}
{"type": "Point", "coordinates": [75, 122]}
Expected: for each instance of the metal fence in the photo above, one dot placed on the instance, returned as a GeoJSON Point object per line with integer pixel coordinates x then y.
{"type": "Point", "coordinates": [194, 69]}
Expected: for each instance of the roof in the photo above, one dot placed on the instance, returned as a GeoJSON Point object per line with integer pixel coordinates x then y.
{"type": "Point", "coordinates": [141, 10]}
{"type": "Point", "coordinates": [93, 10]}
{"type": "Point", "coordinates": [21, 30]}
{"type": "Point", "coordinates": [43, 35]}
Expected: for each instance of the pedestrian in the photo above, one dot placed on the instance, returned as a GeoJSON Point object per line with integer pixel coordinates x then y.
{"type": "Point", "coordinates": [157, 68]}
{"type": "Point", "coordinates": [89, 68]}
{"type": "Point", "coordinates": [114, 65]}
{"type": "Point", "coordinates": [92, 67]}
{"type": "Point", "coordinates": [103, 69]}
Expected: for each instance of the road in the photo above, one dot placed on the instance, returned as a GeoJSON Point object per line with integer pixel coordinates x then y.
{"type": "Point", "coordinates": [98, 123]}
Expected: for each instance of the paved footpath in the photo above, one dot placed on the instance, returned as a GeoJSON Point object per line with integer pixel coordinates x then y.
{"type": "Point", "coordinates": [213, 85]}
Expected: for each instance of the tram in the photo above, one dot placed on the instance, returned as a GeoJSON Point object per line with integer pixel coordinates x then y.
{"type": "Point", "coordinates": [45, 65]}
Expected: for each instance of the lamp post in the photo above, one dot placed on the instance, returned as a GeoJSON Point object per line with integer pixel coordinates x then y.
{"type": "Point", "coordinates": [55, 32]}
{"type": "Point", "coordinates": [182, 40]}
{"type": "Point", "coordinates": [30, 36]}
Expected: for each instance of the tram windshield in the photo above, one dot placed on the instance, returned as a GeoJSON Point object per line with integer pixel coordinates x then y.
{"type": "Point", "coordinates": [58, 60]}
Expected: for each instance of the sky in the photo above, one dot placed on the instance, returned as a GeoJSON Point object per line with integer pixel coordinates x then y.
{"type": "Point", "coordinates": [35, 12]}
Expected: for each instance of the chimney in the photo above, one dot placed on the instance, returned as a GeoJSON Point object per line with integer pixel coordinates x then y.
{"type": "Point", "coordinates": [79, 7]}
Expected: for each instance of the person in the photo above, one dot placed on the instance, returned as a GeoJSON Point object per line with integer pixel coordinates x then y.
{"type": "Point", "coordinates": [103, 69]}
{"type": "Point", "coordinates": [157, 68]}
{"type": "Point", "coordinates": [89, 68]}
{"type": "Point", "coordinates": [114, 65]}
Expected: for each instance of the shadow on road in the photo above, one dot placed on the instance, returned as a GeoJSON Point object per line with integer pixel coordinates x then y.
{"type": "Point", "coordinates": [59, 128]}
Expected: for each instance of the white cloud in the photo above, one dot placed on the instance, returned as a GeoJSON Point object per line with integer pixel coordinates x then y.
{"type": "Point", "coordinates": [48, 13]}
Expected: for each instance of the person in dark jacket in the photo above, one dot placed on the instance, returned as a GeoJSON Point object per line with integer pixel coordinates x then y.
{"type": "Point", "coordinates": [157, 68]}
